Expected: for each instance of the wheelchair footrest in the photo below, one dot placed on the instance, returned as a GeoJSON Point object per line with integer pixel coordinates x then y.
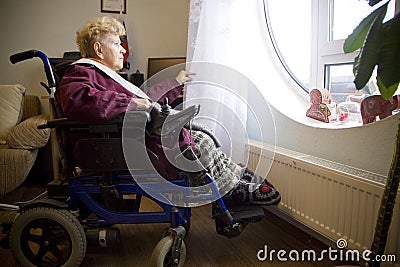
{"type": "Point", "coordinates": [242, 215]}
{"type": "Point", "coordinates": [246, 213]}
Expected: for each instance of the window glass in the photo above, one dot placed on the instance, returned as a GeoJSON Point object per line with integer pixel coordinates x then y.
{"type": "Point", "coordinates": [340, 27]}
{"type": "Point", "coordinates": [291, 29]}
{"type": "Point", "coordinates": [347, 14]}
{"type": "Point", "coordinates": [296, 32]}
{"type": "Point", "coordinates": [339, 81]}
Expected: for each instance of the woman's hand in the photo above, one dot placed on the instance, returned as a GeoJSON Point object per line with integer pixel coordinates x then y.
{"type": "Point", "coordinates": [142, 103]}
{"type": "Point", "coordinates": [184, 76]}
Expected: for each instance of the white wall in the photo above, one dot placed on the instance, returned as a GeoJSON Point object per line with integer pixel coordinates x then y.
{"type": "Point", "coordinates": [156, 28]}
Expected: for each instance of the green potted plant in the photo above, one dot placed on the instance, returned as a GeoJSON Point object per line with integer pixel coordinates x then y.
{"type": "Point", "coordinates": [379, 46]}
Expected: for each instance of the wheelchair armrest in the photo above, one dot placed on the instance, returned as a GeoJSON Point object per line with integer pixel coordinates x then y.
{"type": "Point", "coordinates": [110, 126]}
{"type": "Point", "coordinates": [77, 126]}
{"type": "Point", "coordinates": [61, 123]}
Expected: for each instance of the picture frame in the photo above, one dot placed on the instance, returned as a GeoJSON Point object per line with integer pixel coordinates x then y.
{"type": "Point", "coordinates": [113, 6]}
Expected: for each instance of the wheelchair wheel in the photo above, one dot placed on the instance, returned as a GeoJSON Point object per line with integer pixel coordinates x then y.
{"type": "Point", "coordinates": [161, 255]}
{"type": "Point", "coordinates": [44, 236]}
{"type": "Point", "coordinates": [186, 226]}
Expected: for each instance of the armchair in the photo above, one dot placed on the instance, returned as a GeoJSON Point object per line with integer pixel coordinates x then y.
{"type": "Point", "coordinates": [20, 139]}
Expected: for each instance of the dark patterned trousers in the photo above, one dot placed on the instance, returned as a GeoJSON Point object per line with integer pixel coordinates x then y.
{"type": "Point", "coordinates": [224, 171]}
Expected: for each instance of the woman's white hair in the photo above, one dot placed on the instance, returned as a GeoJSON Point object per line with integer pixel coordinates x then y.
{"type": "Point", "coordinates": [94, 31]}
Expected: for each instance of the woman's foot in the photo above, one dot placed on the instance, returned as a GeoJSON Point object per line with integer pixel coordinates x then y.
{"type": "Point", "coordinates": [250, 176]}
{"type": "Point", "coordinates": [260, 194]}
{"type": "Point", "coordinates": [254, 189]}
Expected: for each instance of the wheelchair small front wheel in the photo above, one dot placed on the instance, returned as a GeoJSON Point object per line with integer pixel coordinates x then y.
{"type": "Point", "coordinates": [185, 225]}
{"type": "Point", "coordinates": [44, 236]}
{"type": "Point", "coordinates": [162, 253]}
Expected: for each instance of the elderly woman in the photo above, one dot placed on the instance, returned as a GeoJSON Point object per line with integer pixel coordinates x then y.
{"type": "Point", "coordinates": [92, 91]}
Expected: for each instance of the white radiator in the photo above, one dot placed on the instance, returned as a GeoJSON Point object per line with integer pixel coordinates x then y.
{"type": "Point", "coordinates": [334, 200]}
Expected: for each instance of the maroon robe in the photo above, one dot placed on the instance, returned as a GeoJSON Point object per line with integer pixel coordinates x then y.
{"type": "Point", "coordinates": [86, 94]}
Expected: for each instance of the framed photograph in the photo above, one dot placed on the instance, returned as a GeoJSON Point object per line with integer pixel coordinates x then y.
{"type": "Point", "coordinates": [113, 6]}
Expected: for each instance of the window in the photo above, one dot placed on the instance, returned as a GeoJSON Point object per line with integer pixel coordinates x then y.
{"type": "Point", "coordinates": [340, 28]}
{"type": "Point", "coordinates": [339, 79]}
{"type": "Point", "coordinates": [311, 42]}
{"type": "Point", "coordinates": [338, 18]}
{"type": "Point", "coordinates": [293, 40]}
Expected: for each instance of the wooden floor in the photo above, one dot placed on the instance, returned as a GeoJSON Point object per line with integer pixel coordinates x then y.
{"type": "Point", "coordinates": [204, 246]}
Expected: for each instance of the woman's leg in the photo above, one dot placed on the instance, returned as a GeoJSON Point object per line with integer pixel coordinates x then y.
{"type": "Point", "coordinates": [225, 172]}
{"type": "Point", "coordinates": [232, 180]}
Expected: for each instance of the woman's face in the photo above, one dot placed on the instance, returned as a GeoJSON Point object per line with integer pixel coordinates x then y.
{"type": "Point", "coordinates": [112, 53]}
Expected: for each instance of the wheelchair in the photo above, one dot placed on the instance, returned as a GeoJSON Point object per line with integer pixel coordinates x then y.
{"type": "Point", "coordinates": [84, 205]}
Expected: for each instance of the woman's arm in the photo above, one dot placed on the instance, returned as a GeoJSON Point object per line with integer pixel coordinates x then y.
{"type": "Point", "coordinates": [86, 95]}
{"type": "Point", "coordinates": [169, 88]}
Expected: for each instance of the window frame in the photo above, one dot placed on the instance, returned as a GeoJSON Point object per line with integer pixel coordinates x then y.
{"type": "Point", "coordinates": [328, 52]}
{"type": "Point", "coordinates": [324, 51]}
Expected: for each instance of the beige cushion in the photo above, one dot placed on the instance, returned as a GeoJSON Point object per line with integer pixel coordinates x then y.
{"type": "Point", "coordinates": [15, 165]}
{"type": "Point", "coordinates": [31, 106]}
{"type": "Point", "coordinates": [26, 135]}
{"type": "Point", "coordinates": [11, 101]}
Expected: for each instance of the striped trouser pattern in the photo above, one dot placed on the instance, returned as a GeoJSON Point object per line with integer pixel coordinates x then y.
{"type": "Point", "coordinates": [224, 171]}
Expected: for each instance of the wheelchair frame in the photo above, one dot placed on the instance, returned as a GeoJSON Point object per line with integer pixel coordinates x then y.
{"type": "Point", "coordinates": [74, 213]}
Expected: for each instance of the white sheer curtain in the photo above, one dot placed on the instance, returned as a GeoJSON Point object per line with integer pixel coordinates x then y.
{"type": "Point", "coordinates": [220, 54]}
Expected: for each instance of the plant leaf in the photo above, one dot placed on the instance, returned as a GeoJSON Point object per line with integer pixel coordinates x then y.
{"type": "Point", "coordinates": [386, 92]}
{"type": "Point", "coordinates": [357, 38]}
{"type": "Point", "coordinates": [374, 2]}
{"type": "Point", "coordinates": [389, 59]}
{"type": "Point", "coordinates": [369, 54]}
{"type": "Point", "coordinates": [355, 64]}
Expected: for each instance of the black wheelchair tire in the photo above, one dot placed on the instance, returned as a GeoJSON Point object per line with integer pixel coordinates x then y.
{"type": "Point", "coordinates": [39, 233]}
{"type": "Point", "coordinates": [160, 255]}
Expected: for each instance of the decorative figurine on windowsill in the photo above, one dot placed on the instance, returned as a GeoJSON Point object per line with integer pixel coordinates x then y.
{"type": "Point", "coordinates": [375, 106]}
{"type": "Point", "coordinates": [319, 110]}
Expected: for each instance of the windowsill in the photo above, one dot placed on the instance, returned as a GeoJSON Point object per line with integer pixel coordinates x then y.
{"type": "Point", "coordinates": [331, 125]}
{"type": "Point", "coordinates": [292, 101]}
